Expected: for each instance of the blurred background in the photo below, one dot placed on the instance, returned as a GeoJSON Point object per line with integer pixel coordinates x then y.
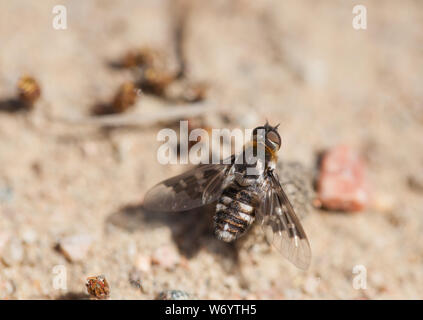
{"type": "Point", "coordinates": [71, 188]}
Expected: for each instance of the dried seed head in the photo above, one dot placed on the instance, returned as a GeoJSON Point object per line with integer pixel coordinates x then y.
{"type": "Point", "coordinates": [125, 97]}
{"type": "Point", "coordinates": [195, 92]}
{"type": "Point", "coordinates": [143, 57]}
{"type": "Point", "coordinates": [28, 90]}
{"type": "Point", "coordinates": [156, 80]}
{"type": "Point", "coordinates": [130, 60]}
{"type": "Point", "coordinates": [97, 287]}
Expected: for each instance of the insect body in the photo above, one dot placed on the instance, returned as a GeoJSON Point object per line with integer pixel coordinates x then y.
{"type": "Point", "coordinates": [235, 211]}
{"type": "Point", "coordinates": [245, 191]}
{"type": "Point", "coordinates": [238, 203]}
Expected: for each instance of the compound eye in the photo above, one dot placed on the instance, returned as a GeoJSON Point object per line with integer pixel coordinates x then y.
{"type": "Point", "coordinates": [274, 137]}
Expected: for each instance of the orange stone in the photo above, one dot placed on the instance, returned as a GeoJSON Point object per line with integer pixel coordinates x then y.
{"type": "Point", "coordinates": [342, 183]}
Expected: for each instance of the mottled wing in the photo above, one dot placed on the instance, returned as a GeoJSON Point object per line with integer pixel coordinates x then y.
{"type": "Point", "coordinates": [297, 183]}
{"type": "Point", "coordinates": [281, 225]}
{"type": "Point", "coordinates": [194, 188]}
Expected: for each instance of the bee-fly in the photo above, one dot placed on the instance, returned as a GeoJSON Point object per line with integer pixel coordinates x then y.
{"type": "Point", "coordinates": [242, 197]}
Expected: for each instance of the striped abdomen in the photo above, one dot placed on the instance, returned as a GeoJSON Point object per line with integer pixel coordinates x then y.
{"type": "Point", "coordinates": [235, 212]}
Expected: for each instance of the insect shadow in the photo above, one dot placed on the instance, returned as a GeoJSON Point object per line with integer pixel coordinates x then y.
{"type": "Point", "coordinates": [102, 109]}
{"type": "Point", "coordinates": [191, 230]}
{"type": "Point", "coordinates": [73, 296]}
{"type": "Point", "coordinates": [12, 105]}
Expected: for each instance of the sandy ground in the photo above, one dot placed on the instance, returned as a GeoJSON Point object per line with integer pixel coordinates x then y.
{"type": "Point", "coordinates": [296, 62]}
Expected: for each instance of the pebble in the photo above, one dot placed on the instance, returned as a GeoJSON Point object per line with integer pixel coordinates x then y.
{"type": "Point", "coordinates": [75, 248]}
{"type": "Point", "coordinates": [342, 183]}
{"type": "Point", "coordinates": [230, 282]}
{"type": "Point", "coordinates": [132, 250]}
{"type": "Point", "coordinates": [7, 289]}
{"type": "Point", "coordinates": [378, 279]}
{"type": "Point", "coordinates": [4, 238]}
{"type": "Point", "coordinates": [291, 294]}
{"type": "Point", "coordinates": [6, 193]}
{"type": "Point", "coordinates": [90, 149]}
{"type": "Point", "coordinates": [383, 202]}
{"type": "Point", "coordinates": [310, 285]}
{"type": "Point", "coordinates": [174, 295]}
{"type": "Point", "coordinates": [143, 263]}
{"type": "Point", "coordinates": [29, 236]}
{"type": "Point", "coordinates": [166, 257]}
{"type": "Point", "coordinates": [135, 278]}
{"type": "Point", "coordinates": [13, 252]}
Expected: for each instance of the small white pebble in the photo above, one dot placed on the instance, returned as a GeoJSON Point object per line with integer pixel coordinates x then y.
{"type": "Point", "coordinates": [143, 263]}
{"type": "Point", "coordinates": [7, 289]}
{"type": "Point", "coordinates": [75, 248]}
{"type": "Point", "coordinates": [29, 236]}
{"type": "Point", "coordinates": [4, 238]}
{"type": "Point", "coordinates": [166, 257]}
{"type": "Point", "coordinates": [13, 253]}
{"type": "Point", "coordinates": [310, 285]}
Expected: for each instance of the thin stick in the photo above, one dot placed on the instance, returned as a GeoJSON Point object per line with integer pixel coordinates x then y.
{"type": "Point", "coordinates": [170, 113]}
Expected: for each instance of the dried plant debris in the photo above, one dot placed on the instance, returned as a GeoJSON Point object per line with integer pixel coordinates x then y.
{"type": "Point", "coordinates": [151, 69]}
{"type": "Point", "coordinates": [29, 91]}
{"type": "Point", "coordinates": [124, 99]}
{"type": "Point", "coordinates": [164, 83]}
{"type": "Point", "coordinates": [153, 75]}
{"type": "Point", "coordinates": [155, 80]}
{"type": "Point", "coordinates": [174, 295]}
{"type": "Point", "coordinates": [98, 287]}
{"type": "Point", "coordinates": [143, 57]}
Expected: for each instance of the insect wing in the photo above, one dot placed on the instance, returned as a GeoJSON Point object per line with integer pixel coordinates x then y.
{"type": "Point", "coordinates": [281, 226]}
{"type": "Point", "coordinates": [194, 188]}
